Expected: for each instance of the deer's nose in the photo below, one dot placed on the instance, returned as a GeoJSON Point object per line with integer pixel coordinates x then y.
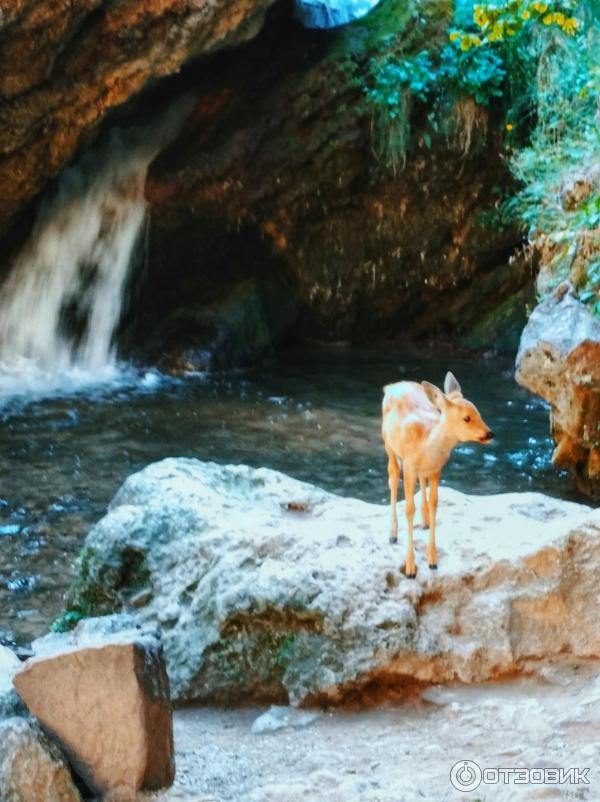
{"type": "Point", "coordinates": [489, 435]}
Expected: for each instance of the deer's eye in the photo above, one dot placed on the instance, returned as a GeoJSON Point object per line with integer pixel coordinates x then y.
{"type": "Point", "coordinates": [467, 419]}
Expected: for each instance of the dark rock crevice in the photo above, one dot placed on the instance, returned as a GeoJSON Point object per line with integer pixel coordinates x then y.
{"type": "Point", "coordinates": [273, 178]}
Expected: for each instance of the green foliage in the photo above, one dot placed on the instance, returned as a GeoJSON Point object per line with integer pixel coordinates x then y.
{"type": "Point", "coordinates": [66, 622]}
{"type": "Point", "coordinates": [588, 213]}
{"type": "Point", "coordinates": [559, 168]}
{"type": "Point", "coordinates": [499, 22]}
{"type": "Point", "coordinates": [392, 86]}
{"type": "Point", "coordinates": [393, 78]}
{"type": "Point", "coordinates": [432, 77]}
{"type": "Point", "coordinates": [283, 654]}
{"type": "Point", "coordinates": [478, 73]}
{"type": "Point", "coordinates": [536, 65]}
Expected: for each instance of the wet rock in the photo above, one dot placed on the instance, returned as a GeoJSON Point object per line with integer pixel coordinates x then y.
{"type": "Point", "coordinates": [32, 769]}
{"type": "Point", "coordinates": [271, 590]}
{"type": "Point", "coordinates": [65, 66]}
{"type": "Point", "coordinates": [280, 718]}
{"type": "Point", "coordinates": [559, 360]}
{"type": "Point", "coordinates": [103, 694]}
{"type": "Point", "coordinates": [235, 331]}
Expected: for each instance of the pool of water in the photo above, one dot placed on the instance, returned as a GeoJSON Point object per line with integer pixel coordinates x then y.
{"type": "Point", "coordinates": [313, 415]}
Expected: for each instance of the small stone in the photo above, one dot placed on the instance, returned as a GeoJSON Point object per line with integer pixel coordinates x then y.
{"type": "Point", "coordinates": [280, 718]}
{"type": "Point", "coordinates": [32, 769]}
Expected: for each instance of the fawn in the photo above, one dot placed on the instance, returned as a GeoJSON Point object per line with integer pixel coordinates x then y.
{"type": "Point", "coordinates": [421, 425]}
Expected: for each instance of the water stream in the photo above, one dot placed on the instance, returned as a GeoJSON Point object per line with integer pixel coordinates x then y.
{"type": "Point", "coordinates": [314, 415]}
{"type": "Point", "coordinates": [63, 298]}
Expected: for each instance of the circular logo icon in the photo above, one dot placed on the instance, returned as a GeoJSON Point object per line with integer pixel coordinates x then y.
{"type": "Point", "coordinates": [465, 775]}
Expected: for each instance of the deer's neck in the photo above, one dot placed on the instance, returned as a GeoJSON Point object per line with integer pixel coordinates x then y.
{"type": "Point", "coordinates": [440, 443]}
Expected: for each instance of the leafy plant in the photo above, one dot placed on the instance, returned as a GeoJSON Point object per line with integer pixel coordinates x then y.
{"type": "Point", "coordinates": [394, 83]}
{"type": "Point", "coordinates": [497, 22]}
{"type": "Point", "coordinates": [479, 73]}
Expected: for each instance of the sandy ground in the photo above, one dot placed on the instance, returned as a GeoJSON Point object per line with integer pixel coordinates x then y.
{"type": "Point", "coordinates": [405, 753]}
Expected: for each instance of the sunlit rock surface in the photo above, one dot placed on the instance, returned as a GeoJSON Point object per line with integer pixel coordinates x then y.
{"type": "Point", "coordinates": [103, 693]}
{"type": "Point", "coordinates": [32, 769]}
{"type": "Point", "coordinates": [559, 360]}
{"type": "Point", "coordinates": [269, 589]}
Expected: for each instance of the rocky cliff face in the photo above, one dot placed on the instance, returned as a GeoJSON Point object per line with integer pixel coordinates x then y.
{"type": "Point", "coordinates": [64, 66]}
{"type": "Point", "coordinates": [270, 215]}
{"type": "Point", "coordinates": [273, 179]}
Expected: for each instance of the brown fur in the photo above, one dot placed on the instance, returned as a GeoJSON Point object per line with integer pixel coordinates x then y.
{"type": "Point", "coordinates": [420, 427]}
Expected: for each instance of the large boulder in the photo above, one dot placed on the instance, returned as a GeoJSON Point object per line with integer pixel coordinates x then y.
{"type": "Point", "coordinates": [270, 589]}
{"type": "Point", "coordinates": [103, 694]}
{"type": "Point", "coordinates": [559, 360]}
{"type": "Point", "coordinates": [32, 769]}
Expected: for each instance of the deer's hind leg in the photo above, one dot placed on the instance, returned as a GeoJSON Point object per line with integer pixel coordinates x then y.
{"type": "Point", "coordinates": [424, 502]}
{"type": "Point", "coordinates": [393, 479]}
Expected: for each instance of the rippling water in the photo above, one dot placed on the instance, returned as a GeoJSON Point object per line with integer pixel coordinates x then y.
{"type": "Point", "coordinates": [314, 416]}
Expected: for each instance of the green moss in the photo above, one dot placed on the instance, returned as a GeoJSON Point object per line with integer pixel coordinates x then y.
{"type": "Point", "coordinates": [284, 653]}
{"type": "Point", "coordinates": [249, 664]}
{"type": "Point", "coordinates": [101, 584]}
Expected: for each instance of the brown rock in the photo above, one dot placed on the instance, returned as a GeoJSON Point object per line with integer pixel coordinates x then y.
{"type": "Point", "coordinates": [105, 699]}
{"type": "Point", "coordinates": [273, 174]}
{"type": "Point", "coordinates": [559, 360]}
{"type": "Point", "coordinates": [31, 768]}
{"type": "Point", "coordinates": [65, 65]}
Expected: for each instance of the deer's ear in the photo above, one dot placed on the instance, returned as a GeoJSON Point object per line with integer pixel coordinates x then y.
{"type": "Point", "coordinates": [435, 395]}
{"type": "Point", "coordinates": [451, 386]}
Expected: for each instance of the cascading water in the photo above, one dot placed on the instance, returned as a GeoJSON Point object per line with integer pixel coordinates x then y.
{"type": "Point", "coordinates": [62, 301]}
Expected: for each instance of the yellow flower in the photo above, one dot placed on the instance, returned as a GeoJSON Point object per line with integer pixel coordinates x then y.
{"type": "Point", "coordinates": [480, 17]}
{"type": "Point", "coordinates": [560, 19]}
{"type": "Point", "coordinates": [465, 44]}
{"type": "Point", "coordinates": [526, 14]}
{"type": "Point", "coordinates": [541, 8]}
{"type": "Point", "coordinates": [570, 26]}
{"type": "Point", "coordinates": [454, 36]}
{"type": "Point", "coordinates": [547, 20]}
{"type": "Point", "coordinates": [509, 126]}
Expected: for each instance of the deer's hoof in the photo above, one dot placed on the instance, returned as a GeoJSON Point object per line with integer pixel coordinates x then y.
{"type": "Point", "coordinates": [410, 576]}
{"type": "Point", "coordinates": [433, 566]}
{"type": "Point", "coordinates": [424, 525]}
{"type": "Point", "coordinates": [393, 538]}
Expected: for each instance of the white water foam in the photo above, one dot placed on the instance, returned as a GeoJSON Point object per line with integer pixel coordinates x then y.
{"type": "Point", "coordinates": [63, 299]}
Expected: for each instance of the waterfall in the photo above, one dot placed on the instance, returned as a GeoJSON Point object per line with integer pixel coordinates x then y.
{"type": "Point", "coordinates": [63, 299]}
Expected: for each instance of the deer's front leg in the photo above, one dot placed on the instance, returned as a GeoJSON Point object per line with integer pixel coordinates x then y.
{"type": "Point", "coordinates": [424, 502]}
{"type": "Point", "coordinates": [393, 479]}
{"type": "Point", "coordinates": [434, 481]}
{"type": "Point", "coordinates": [409, 494]}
